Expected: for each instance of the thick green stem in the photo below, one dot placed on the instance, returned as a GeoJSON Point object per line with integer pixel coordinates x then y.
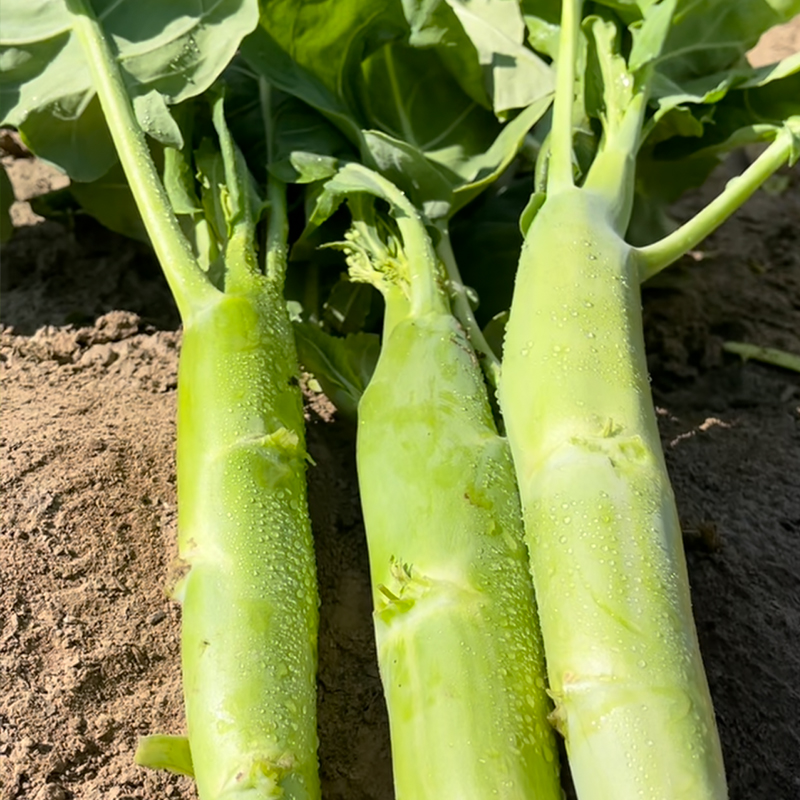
{"type": "Point", "coordinates": [249, 598]}
{"type": "Point", "coordinates": [454, 612]}
{"type": "Point", "coordinates": [187, 281]}
{"type": "Point", "coordinates": [456, 630]}
{"type": "Point", "coordinates": [603, 533]}
{"type": "Point", "coordinates": [249, 594]}
{"type": "Point", "coordinates": [613, 170]}
{"type": "Point", "coordinates": [396, 310]}
{"type": "Point", "coordinates": [655, 257]}
{"type": "Point", "coordinates": [560, 175]}
{"type": "Point", "coordinates": [427, 294]}
{"type": "Point", "coordinates": [463, 310]}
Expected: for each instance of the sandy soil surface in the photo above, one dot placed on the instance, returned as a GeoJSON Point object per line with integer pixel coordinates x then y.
{"type": "Point", "coordinates": [89, 649]}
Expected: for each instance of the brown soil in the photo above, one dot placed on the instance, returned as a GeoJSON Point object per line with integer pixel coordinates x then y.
{"type": "Point", "coordinates": [89, 640]}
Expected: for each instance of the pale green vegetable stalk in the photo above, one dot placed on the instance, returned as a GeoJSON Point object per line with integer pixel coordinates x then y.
{"type": "Point", "coordinates": [610, 577]}
{"type": "Point", "coordinates": [249, 599]}
{"type": "Point", "coordinates": [457, 639]}
{"type": "Point", "coordinates": [249, 593]}
{"type": "Point", "coordinates": [605, 543]}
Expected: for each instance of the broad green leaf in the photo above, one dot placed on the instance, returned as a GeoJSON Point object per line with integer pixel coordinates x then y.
{"type": "Point", "coordinates": [548, 10]}
{"type": "Point", "coordinates": [408, 108]}
{"type": "Point", "coordinates": [543, 21]}
{"type": "Point", "coordinates": [267, 59]}
{"type": "Point", "coordinates": [330, 38]}
{"type": "Point", "coordinates": [34, 20]}
{"type": "Point", "coordinates": [696, 48]}
{"type": "Point", "coordinates": [770, 97]}
{"type": "Point", "coordinates": [706, 90]}
{"type": "Point", "coordinates": [542, 35]}
{"type": "Point", "coordinates": [429, 21]}
{"type": "Point", "coordinates": [679, 164]}
{"type": "Point", "coordinates": [433, 23]}
{"type": "Point", "coordinates": [174, 49]}
{"type": "Point", "coordinates": [38, 73]}
{"type": "Point", "coordinates": [304, 145]}
{"type": "Point", "coordinates": [463, 144]}
{"type": "Point", "coordinates": [110, 201]}
{"type": "Point", "coordinates": [72, 135]}
{"type": "Point", "coordinates": [497, 30]}
{"type": "Point", "coordinates": [710, 89]}
{"type": "Point", "coordinates": [426, 184]}
{"type": "Point", "coordinates": [481, 169]}
{"type": "Point", "coordinates": [348, 306]}
{"type": "Point", "coordinates": [772, 72]}
{"type": "Point", "coordinates": [354, 179]}
{"type": "Point", "coordinates": [156, 120]}
{"type": "Point", "coordinates": [609, 83]}
{"type": "Point", "coordinates": [650, 34]}
{"type": "Point", "coordinates": [708, 36]}
{"type": "Point", "coordinates": [178, 48]}
{"type": "Point", "coordinates": [679, 121]}
{"type": "Point", "coordinates": [410, 95]}
{"type": "Point", "coordinates": [688, 142]}
{"type": "Point", "coordinates": [314, 48]}
{"type": "Point", "coordinates": [343, 366]}
{"type": "Point", "coordinates": [739, 99]}
{"type": "Point", "coordinates": [304, 167]}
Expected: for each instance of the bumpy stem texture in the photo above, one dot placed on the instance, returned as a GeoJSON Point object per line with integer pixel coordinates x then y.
{"type": "Point", "coordinates": [249, 597]}
{"type": "Point", "coordinates": [249, 593]}
{"type": "Point", "coordinates": [458, 643]}
{"type": "Point", "coordinates": [606, 553]}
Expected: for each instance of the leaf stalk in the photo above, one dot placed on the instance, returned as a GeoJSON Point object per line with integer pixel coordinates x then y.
{"type": "Point", "coordinates": [463, 310]}
{"type": "Point", "coordinates": [560, 174]}
{"type": "Point", "coordinates": [188, 283]}
{"type": "Point", "coordinates": [655, 257]}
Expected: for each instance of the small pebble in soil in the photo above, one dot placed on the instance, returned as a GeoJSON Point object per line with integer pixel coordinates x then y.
{"type": "Point", "coordinates": [51, 791]}
{"type": "Point", "coordinates": [104, 727]}
{"type": "Point", "coordinates": [57, 766]}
